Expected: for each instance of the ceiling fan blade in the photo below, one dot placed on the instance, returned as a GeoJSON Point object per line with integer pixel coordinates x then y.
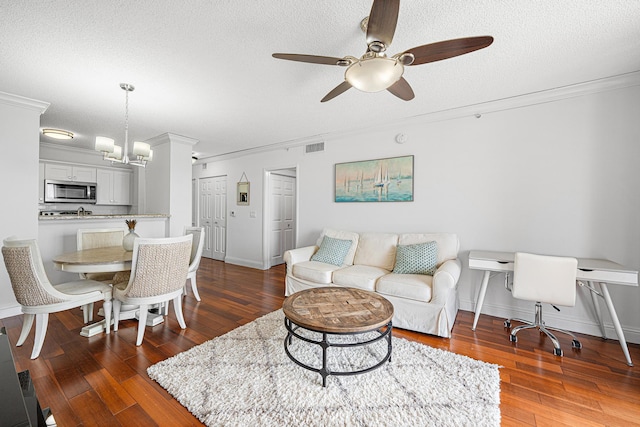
{"type": "Point", "coordinates": [314, 59]}
{"type": "Point", "coordinates": [382, 21]}
{"type": "Point", "coordinates": [402, 90]}
{"type": "Point", "coordinates": [448, 49]}
{"type": "Point", "coordinates": [341, 88]}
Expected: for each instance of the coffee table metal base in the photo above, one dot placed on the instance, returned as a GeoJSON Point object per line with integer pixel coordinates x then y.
{"type": "Point", "coordinates": [384, 332]}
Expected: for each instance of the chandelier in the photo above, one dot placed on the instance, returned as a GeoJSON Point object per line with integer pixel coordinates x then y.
{"type": "Point", "coordinates": [142, 152]}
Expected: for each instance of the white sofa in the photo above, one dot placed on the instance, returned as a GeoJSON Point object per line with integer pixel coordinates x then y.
{"type": "Point", "coordinates": [421, 302]}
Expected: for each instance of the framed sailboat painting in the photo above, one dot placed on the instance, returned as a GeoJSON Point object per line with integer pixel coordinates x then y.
{"type": "Point", "coordinates": [380, 180]}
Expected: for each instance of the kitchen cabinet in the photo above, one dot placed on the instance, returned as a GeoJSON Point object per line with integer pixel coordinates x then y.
{"type": "Point", "coordinates": [114, 187]}
{"type": "Point", "coordinates": [68, 172]}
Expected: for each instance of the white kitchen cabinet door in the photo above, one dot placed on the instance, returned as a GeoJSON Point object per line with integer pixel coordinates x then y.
{"type": "Point", "coordinates": [114, 187]}
{"type": "Point", "coordinates": [64, 172]}
{"type": "Point", "coordinates": [83, 174]}
{"type": "Point", "coordinates": [121, 188]}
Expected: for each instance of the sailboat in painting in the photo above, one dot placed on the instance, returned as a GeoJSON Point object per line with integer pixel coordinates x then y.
{"type": "Point", "coordinates": [381, 180]}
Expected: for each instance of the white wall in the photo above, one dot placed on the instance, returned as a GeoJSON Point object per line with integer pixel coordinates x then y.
{"type": "Point", "coordinates": [19, 136]}
{"type": "Point", "coordinates": [560, 176]}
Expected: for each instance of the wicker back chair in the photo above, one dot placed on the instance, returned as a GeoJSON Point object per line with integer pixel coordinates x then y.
{"type": "Point", "coordinates": [91, 238]}
{"type": "Point", "coordinates": [194, 261]}
{"type": "Point", "coordinates": [38, 297]}
{"type": "Point", "coordinates": [158, 274]}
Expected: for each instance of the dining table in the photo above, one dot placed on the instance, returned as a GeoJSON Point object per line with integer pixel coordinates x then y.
{"type": "Point", "coordinates": [102, 260]}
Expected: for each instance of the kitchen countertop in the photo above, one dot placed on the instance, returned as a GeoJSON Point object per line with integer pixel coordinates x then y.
{"type": "Point", "coordinates": [97, 216]}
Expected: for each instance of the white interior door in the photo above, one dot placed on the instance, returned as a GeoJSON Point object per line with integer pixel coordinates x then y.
{"type": "Point", "coordinates": [219, 218]}
{"type": "Point", "coordinates": [213, 216]}
{"type": "Point", "coordinates": [282, 216]}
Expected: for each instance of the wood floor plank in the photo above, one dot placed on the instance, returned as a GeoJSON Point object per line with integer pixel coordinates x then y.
{"type": "Point", "coordinates": [92, 410]}
{"type": "Point", "coordinates": [163, 412]}
{"type": "Point", "coordinates": [110, 391]}
{"type": "Point", "coordinates": [104, 376]}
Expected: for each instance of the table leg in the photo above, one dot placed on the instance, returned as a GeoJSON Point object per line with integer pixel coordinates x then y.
{"type": "Point", "coordinates": [616, 322]}
{"type": "Point", "coordinates": [596, 306]}
{"type": "Point", "coordinates": [480, 300]}
{"type": "Point", "coordinates": [324, 371]}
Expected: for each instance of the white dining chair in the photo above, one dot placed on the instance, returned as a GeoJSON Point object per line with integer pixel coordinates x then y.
{"type": "Point", "coordinates": [158, 274]}
{"type": "Point", "coordinates": [38, 297]}
{"type": "Point", "coordinates": [196, 255]}
{"type": "Point", "coordinates": [91, 238]}
{"type": "Point", "coordinates": [544, 279]}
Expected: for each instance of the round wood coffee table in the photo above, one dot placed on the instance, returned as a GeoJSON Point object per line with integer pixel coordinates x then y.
{"type": "Point", "coordinates": [337, 311]}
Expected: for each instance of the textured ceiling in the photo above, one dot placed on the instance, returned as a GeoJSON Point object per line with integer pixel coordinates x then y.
{"type": "Point", "coordinates": [203, 69]}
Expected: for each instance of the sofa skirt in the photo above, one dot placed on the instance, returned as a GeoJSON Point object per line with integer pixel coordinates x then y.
{"type": "Point", "coordinates": [408, 314]}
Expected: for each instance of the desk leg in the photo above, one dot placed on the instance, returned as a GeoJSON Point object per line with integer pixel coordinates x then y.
{"type": "Point", "coordinates": [616, 322]}
{"type": "Point", "coordinates": [596, 306]}
{"type": "Point", "coordinates": [480, 301]}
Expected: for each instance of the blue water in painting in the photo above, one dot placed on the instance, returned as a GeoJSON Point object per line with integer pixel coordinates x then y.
{"type": "Point", "coordinates": [396, 190]}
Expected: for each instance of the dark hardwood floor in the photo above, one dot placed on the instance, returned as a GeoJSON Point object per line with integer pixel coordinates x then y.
{"type": "Point", "coordinates": [102, 380]}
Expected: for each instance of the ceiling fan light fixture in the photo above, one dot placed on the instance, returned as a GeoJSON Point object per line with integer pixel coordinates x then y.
{"type": "Point", "coordinates": [374, 74]}
{"type": "Point", "coordinates": [57, 133]}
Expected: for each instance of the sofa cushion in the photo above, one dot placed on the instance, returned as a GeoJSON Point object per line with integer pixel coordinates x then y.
{"type": "Point", "coordinates": [332, 251]}
{"type": "Point", "coordinates": [314, 271]}
{"type": "Point", "coordinates": [359, 276]}
{"type": "Point", "coordinates": [411, 286]}
{"type": "Point", "coordinates": [420, 258]}
{"type": "Point", "coordinates": [344, 235]}
{"type": "Point", "coordinates": [448, 244]}
{"type": "Point", "coordinates": [377, 250]}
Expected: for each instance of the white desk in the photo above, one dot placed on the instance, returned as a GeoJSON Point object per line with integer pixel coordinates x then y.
{"type": "Point", "coordinates": [592, 271]}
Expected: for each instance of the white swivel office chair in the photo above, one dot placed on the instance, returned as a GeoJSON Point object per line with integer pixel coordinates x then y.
{"type": "Point", "coordinates": [37, 297]}
{"type": "Point", "coordinates": [547, 279]}
{"type": "Point", "coordinates": [196, 255]}
{"type": "Point", "coordinates": [158, 273]}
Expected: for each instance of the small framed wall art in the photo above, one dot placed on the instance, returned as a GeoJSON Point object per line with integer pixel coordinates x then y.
{"type": "Point", "coordinates": [380, 180]}
{"type": "Point", "coordinates": [243, 191]}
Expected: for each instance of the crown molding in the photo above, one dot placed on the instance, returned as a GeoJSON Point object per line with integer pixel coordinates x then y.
{"type": "Point", "coordinates": [534, 98]}
{"type": "Point", "coordinates": [22, 102]}
{"type": "Point", "coordinates": [171, 137]}
{"type": "Point", "coordinates": [70, 148]}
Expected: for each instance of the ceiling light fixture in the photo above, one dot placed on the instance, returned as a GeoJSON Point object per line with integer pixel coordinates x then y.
{"type": "Point", "coordinates": [57, 133]}
{"type": "Point", "coordinates": [142, 152]}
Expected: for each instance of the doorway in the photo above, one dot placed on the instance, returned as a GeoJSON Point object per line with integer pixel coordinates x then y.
{"type": "Point", "coordinates": [213, 216]}
{"type": "Point", "coordinates": [281, 219]}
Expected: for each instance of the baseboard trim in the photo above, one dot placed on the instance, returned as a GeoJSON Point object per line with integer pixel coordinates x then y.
{"type": "Point", "coordinates": [244, 262]}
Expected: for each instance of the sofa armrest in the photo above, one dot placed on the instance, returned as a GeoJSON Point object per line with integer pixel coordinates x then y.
{"type": "Point", "coordinates": [445, 279]}
{"type": "Point", "coordinates": [294, 256]}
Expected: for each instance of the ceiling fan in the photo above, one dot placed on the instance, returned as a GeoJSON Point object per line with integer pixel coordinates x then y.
{"type": "Point", "coordinates": [375, 71]}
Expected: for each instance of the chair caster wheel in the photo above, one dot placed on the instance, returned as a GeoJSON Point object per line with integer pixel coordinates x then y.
{"type": "Point", "coordinates": [576, 344]}
{"type": "Point", "coordinates": [513, 338]}
{"type": "Point", "coordinates": [507, 324]}
{"type": "Point", "coordinates": [557, 352]}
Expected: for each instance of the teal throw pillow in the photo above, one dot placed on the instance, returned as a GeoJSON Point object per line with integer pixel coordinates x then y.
{"type": "Point", "coordinates": [420, 258]}
{"type": "Point", "coordinates": [332, 251]}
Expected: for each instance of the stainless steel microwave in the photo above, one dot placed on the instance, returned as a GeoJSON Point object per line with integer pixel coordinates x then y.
{"type": "Point", "coordinates": [69, 192]}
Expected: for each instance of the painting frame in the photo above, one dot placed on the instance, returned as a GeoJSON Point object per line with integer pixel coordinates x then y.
{"type": "Point", "coordinates": [388, 179]}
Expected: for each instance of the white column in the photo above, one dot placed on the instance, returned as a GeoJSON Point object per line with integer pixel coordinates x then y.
{"type": "Point", "coordinates": [168, 180]}
{"type": "Point", "coordinates": [20, 142]}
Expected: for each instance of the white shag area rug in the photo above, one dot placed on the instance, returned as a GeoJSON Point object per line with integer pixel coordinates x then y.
{"type": "Point", "coordinates": [244, 378]}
